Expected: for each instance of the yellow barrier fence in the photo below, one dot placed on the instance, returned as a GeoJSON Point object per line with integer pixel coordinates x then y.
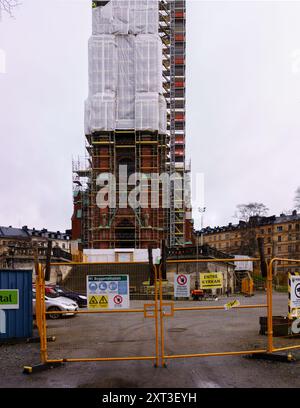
{"type": "Point", "coordinates": [150, 310]}
{"type": "Point", "coordinates": [177, 309]}
{"type": "Point", "coordinates": [159, 310]}
{"type": "Point", "coordinates": [285, 264]}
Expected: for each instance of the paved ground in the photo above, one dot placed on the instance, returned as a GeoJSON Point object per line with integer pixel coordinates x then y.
{"type": "Point", "coordinates": [132, 335]}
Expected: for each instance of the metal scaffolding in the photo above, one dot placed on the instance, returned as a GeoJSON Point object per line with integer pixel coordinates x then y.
{"type": "Point", "coordinates": [173, 35]}
{"type": "Point", "coordinates": [145, 152]}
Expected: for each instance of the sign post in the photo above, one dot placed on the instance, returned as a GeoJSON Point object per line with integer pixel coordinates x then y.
{"type": "Point", "coordinates": [108, 291]}
{"type": "Point", "coordinates": [182, 286]}
{"type": "Point", "coordinates": [294, 295]}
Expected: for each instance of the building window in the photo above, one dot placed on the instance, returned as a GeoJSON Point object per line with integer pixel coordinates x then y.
{"type": "Point", "coordinates": [290, 227]}
{"type": "Point", "coordinates": [279, 229]}
{"type": "Point", "coordinates": [262, 231]}
{"type": "Point", "coordinates": [269, 230]}
{"type": "Point", "coordinates": [279, 238]}
{"type": "Point", "coordinates": [269, 251]}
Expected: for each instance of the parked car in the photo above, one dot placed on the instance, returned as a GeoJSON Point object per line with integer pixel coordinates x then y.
{"type": "Point", "coordinates": [81, 300]}
{"type": "Point", "coordinates": [55, 303]}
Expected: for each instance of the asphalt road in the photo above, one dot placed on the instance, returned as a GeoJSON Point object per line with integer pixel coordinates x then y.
{"type": "Point", "coordinates": [87, 336]}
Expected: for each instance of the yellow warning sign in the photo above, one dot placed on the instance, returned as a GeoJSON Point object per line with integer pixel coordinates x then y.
{"type": "Point", "coordinates": [93, 301]}
{"type": "Point", "coordinates": [211, 280]}
{"type": "Point", "coordinates": [98, 301]}
{"type": "Point", "coordinates": [103, 302]}
{"type": "Point", "coordinates": [232, 304]}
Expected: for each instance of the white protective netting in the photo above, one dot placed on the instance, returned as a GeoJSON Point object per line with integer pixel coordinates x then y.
{"type": "Point", "coordinates": [148, 63]}
{"type": "Point", "coordinates": [127, 17]}
{"type": "Point", "coordinates": [146, 111]}
{"type": "Point", "coordinates": [100, 113]}
{"type": "Point", "coordinates": [162, 114]}
{"type": "Point", "coordinates": [103, 67]}
{"type": "Point", "coordinates": [125, 68]}
{"type": "Point", "coordinates": [126, 82]}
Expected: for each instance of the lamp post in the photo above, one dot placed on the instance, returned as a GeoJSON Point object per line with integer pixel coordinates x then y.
{"type": "Point", "coordinates": [201, 211]}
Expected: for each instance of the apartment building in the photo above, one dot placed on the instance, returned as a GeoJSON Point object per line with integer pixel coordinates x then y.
{"type": "Point", "coordinates": [281, 236]}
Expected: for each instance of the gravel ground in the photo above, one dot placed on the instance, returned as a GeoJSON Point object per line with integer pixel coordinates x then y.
{"type": "Point", "coordinates": [132, 335]}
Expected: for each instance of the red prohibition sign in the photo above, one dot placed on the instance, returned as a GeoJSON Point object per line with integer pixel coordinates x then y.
{"type": "Point", "coordinates": [118, 299]}
{"type": "Point", "coordinates": [182, 280]}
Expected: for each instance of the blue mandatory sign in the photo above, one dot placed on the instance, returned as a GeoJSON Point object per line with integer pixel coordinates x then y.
{"type": "Point", "coordinates": [113, 286]}
{"type": "Point", "coordinates": [122, 288]}
{"type": "Point", "coordinates": [93, 287]}
{"type": "Point", "coordinates": [103, 286]}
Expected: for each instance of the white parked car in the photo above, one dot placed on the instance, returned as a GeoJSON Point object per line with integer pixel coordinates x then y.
{"type": "Point", "coordinates": [55, 303]}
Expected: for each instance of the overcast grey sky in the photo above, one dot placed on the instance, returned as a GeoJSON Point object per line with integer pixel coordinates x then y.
{"type": "Point", "coordinates": [243, 91]}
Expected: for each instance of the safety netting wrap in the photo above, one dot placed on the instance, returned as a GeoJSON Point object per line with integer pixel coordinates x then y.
{"type": "Point", "coordinates": [126, 82]}
{"type": "Point", "coordinates": [100, 113]}
{"type": "Point", "coordinates": [127, 17]}
{"type": "Point", "coordinates": [125, 68]}
{"type": "Point", "coordinates": [148, 63]}
{"type": "Point", "coordinates": [103, 68]}
{"type": "Point", "coordinates": [162, 114]}
{"type": "Point", "coordinates": [146, 111]}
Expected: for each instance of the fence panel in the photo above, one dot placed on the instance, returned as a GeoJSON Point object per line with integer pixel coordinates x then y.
{"type": "Point", "coordinates": [284, 277]}
{"type": "Point", "coordinates": [101, 329]}
{"type": "Point", "coordinates": [221, 323]}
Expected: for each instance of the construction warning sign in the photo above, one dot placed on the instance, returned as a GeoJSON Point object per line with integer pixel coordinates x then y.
{"type": "Point", "coordinates": [294, 295]}
{"type": "Point", "coordinates": [211, 280]}
{"type": "Point", "coordinates": [231, 305]}
{"type": "Point", "coordinates": [108, 291]}
{"type": "Point", "coordinates": [98, 302]}
{"type": "Point", "coordinates": [182, 286]}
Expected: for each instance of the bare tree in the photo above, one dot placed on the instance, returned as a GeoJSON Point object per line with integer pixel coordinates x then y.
{"type": "Point", "coordinates": [248, 241]}
{"type": "Point", "coordinates": [8, 6]}
{"type": "Point", "coordinates": [297, 199]}
{"type": "Point", "coordinates": [245, 211]}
